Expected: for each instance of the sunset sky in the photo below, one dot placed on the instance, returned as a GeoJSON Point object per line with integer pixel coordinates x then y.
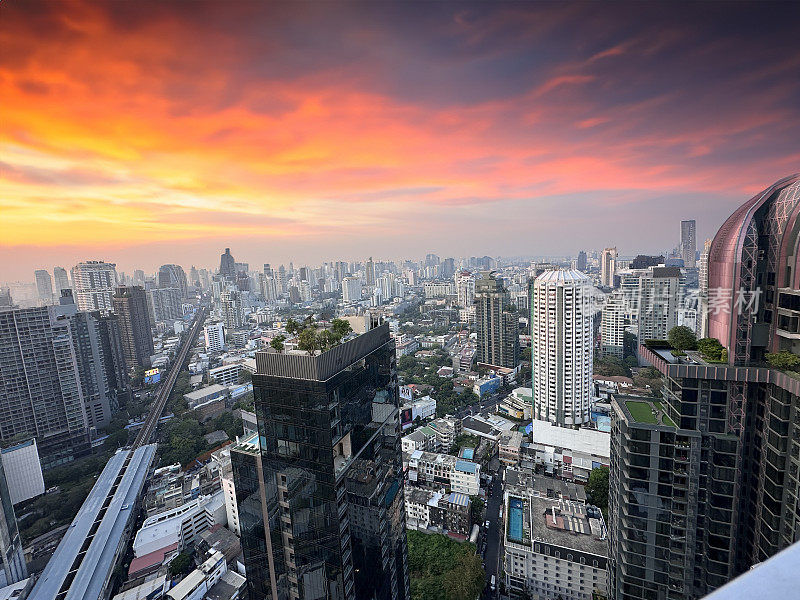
{"type": "Point", "coordinates": [150, 132]}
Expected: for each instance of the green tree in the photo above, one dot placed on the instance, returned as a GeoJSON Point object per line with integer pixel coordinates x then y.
{"type": "Point", "coordinates": [180, 564]}
{"type": "Point", "coordinates": [611, 366]}
{"type": "Point", "coordinates": [326, 339]}
{"type": "Point", "coordinates": [783, 360]}
{"type": "Point", "coordinates": [682, 338]}
{"type": "Point", "coordinates": [277, 343]}
{"type": "Point", "coordinates": [293, 327]}
{"type": "Point", "coordinates": [341, 328]}
{"type": "Point", "coordinates": [597, 488]}
{"type": "Point", "coordinates": [466, 579]}
{"type": "Point", "coordinates": [476, 509]}
{"type": "Point", "coordinates": [308, 340]}
{"type": "Point", "coordinates": [526, 354]}
{"type": "Point", "coordinates": [629, 344]}
{"type": "Point", "coordinates": [245, 376]}
{"type": "Point", "coordinates": [710, 348]}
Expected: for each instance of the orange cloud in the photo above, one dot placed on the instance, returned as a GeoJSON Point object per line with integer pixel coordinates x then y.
{"type": "Point", "coordinates": [128, 128]}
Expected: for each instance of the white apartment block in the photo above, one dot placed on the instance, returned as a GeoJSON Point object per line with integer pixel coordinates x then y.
{"type": "Point", "coordinates": [562, 348]}
{"type": "Point", "coordinates": [554, 548]}
{"type": "Point", "coordinates": [222, 458]}
{"type": "Point", "coordinates": [612, 326]}
{"type": "Point", "coordinates": [226, 375]}
{"type": "Point", "coordinates": [351, 289]}
{"type": "Point", "coordinates": [181, 525]}
{"type": "Point", "coordinates": [215, 337]}
{"type": "Point", "coordinates": [431, 469]}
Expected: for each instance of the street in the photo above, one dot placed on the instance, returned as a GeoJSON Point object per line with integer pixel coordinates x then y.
{"type": "Point", "coordinates": [494, 499]}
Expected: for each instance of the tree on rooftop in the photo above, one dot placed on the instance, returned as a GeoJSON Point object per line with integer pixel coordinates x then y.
{"type": "Point", "coordinates": [277, 343]}
{"type": "Point", "coordinates": [783, 360]}
{"type": "Point", "coordinates": [710, 348]}
{"type": "Point", "coordinates": [308, 340]}
{"type": "Point", "coordinates": [682, 338]}
{"type": "Point", "coordinates": [341, 328]}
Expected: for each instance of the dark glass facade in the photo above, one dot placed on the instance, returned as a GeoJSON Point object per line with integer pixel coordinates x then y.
{"type": "Point", "coordinates": [320, 495]}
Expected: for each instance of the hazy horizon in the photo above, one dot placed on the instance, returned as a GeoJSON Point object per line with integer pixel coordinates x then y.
{"type": "Point", "coordinates": [145, 133]}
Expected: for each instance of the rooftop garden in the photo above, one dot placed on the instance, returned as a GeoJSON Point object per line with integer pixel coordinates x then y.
{"type": "Point", "coordinates": [642, 412]}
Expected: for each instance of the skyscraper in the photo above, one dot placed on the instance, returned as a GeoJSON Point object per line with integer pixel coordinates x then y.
{"type": "Point", "coordinates": [319, 489]}
{"type": "Point", "coordinates": [165, 303]}
{"type": "Point", "coordinates": [94, 283]}
{"type": "Point", "coordinates": [612, 326]}
{"type": "Point", "coordinates": [702, 281]}
{"type": "Point", "coordinates": [562, 347]}
{"type": "Point", "coordinates": [61, 280]}
{"type": "Point", "coordinates": [660, 296]}
{"type": "Point", "coordinates": [465, 289]}
{"type": "Point", "coordinates": [705, 483]}
{"type": "Point", "coordinates": [227, 265]}
{"type": "Point", "coordinates": [580, 263]}
{"type": "Point", "coordinates": [12, 558]}
{"type": "Point", "coordinates": [130, 305]}
{"type": "Point", "coordinates": [44, 285]}
{"type": "Point", "coordinates": [173, 276]}
{"type": "Point", "coordinates": [231, 304]}
{"type": "Point", "coordinates": [689, 244]}
{"type": "Point", "coordinates": [98, 397]}
{"type": "Point", "coordinates": [608, 267]}
{"type": "Point", "coordinates": [497, 327]}
{"type": "Point", "coordinates": [370, 273]}
{"type": "Point", "coordinates": [40, 389]}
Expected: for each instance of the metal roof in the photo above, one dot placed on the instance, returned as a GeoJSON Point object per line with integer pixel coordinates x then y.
{"type": "Point", "coordinates": [563, 276]}
{"type": "Point", "coordinates": [88, 551]}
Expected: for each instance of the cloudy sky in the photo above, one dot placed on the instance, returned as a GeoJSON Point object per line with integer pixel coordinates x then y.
{"type": "Point", "coordinates": [149, 132]}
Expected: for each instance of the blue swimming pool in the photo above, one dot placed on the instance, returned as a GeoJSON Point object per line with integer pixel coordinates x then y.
{"type": "Point", "coordinates": [515, 519]}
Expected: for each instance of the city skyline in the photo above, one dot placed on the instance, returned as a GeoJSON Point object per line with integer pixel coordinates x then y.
{"type": "Point", "coordinates": [195, 130]}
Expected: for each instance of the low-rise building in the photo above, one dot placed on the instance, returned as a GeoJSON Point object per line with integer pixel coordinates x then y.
{"type": "Point", "coordinates": [423, 438]}
{"type": "Point", "coordinates": [227, 375]}
{"type": "Point", "coordinates": [423, 409]}
{"type": "Point", "coordinates": [434, 471]}
{"type": "Point", "coordinates": [447, 429]}
{"type": "Point", "coordinates": [197, 583]}
{"type": "Point", "coordinates": [181, 525]}
{"type": "Point", "coordinates": [567, 453]}
{"type": "Point", "coordinates": [509, 447]}
{"type": "Point", "coordinates": [486, 386]}
{"type": "Point", "coordinates": [518, 404]}
{"type": "Point", "coordinates": [209, 402]}
{"type": "Point", "coordinates": [429, 509]}
{"type": "Point", "coordinates": [407, 347]}
{"type": "Point", "coordinates": [554, 548]}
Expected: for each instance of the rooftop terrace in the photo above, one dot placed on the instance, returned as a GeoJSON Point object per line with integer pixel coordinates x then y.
{"type": "Point", "coordinates": [645, 410]}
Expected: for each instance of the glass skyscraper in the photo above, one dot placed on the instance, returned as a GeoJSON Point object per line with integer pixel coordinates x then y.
{"type": "Point", "coordinates": [320, 488]}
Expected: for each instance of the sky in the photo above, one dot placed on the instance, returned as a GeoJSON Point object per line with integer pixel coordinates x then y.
{"type": "Point", "coordinates": [145, 132]}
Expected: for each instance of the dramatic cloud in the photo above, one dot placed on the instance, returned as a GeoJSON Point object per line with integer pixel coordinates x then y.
{"type": "Point", "coordinates": [151, 131]}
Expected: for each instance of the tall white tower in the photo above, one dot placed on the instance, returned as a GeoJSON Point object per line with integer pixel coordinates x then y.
{"type": "Point", "coordinates": [561, 331]}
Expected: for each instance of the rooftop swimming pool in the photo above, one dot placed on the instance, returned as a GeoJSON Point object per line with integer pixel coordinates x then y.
{"type": "Point", "coordinates": [515, 520]}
